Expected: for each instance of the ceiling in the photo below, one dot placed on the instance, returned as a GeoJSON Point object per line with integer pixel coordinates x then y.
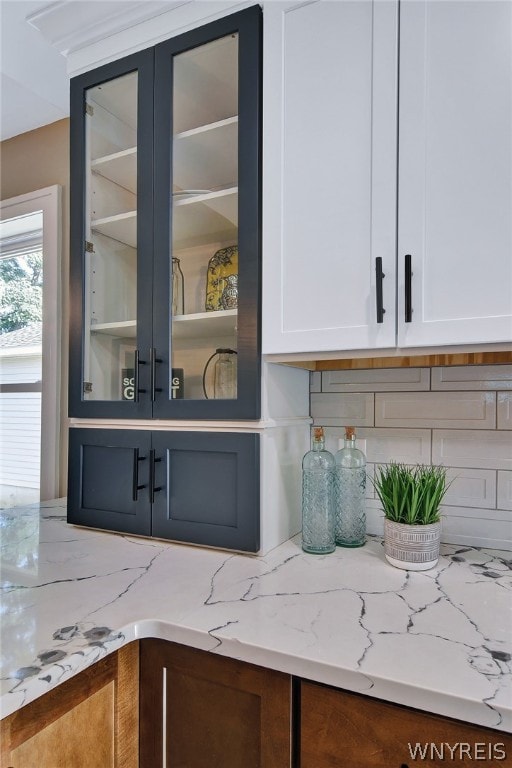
{"type": "Point", "coordinates": [33, 78]}
{"type": "Point", "coordinates": [35, 38]}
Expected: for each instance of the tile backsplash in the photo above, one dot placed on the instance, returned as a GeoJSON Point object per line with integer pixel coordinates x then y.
{"type": "Point", "coordinates": [458, 416]}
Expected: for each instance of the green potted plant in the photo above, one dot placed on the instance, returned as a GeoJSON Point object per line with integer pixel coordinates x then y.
{"type": "Point", "coordinates": [411, 497]}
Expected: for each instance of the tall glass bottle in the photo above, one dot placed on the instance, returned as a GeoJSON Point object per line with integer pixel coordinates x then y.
{"type": "Point", "coordinates": [178, 306]}
{"type": "Point", "coordinates": [350, 487]}
{"type": "Point", "coordinates": [318, 498]}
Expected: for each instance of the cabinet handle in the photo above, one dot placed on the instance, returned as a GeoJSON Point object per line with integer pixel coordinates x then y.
{"type": "Point", "coordinates": [136, 390]}
{"type": "Point", "coordinates": [152, 487]}
{"type": "Point", "coordinates": [408, 288]}
{"type": "Point", "coordinates": [153, 360]}
{"type": "Point", "coordinates": [378, 289]}
{"type": "Point", "coordinates": [136, 486]}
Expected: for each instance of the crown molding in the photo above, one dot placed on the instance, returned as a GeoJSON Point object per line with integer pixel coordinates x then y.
{"type": "Point", "coordinates": [90, 34]}
{"type": "Point", "coordinates": [70, 25]}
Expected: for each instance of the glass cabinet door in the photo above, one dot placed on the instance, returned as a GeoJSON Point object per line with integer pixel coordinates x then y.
{"type": "Point", "coordinates": [207, 221]}
{"type": "Point", "coordinates": [114, 237]}
{"type": "Point", "coordinates": [111, 239]}
{"type": "Point", "coordinates": [165, 229]}
{"type": "Point", "coordinates": [204, 218]}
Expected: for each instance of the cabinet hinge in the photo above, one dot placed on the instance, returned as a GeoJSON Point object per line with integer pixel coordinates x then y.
{"type": "Point", "coordinates": [89, 109]}
{"type": "Point", "coordinates": [89, 247]}
{"type": "Point", "coordinates": [87, 387]}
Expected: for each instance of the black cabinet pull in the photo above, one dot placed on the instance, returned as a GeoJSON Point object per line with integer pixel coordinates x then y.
{"type": "Point", "coordinates": [408, 288]}
{"type": "Point", "coordinates": [153, 359]}
{"type": "Point", "coordinates": [135, 475]}
{"type": "Point", "coordinates": [379, 274]}
{"type": "Point", "coordinates": [136, 390]}
{"type": "Point", "coordinates": [152, 487]}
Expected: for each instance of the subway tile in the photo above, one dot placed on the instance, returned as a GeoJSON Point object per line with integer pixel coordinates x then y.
{"type": "Point", "coordinates": [374, 518]}
{"type": "Point", "coordinates": [376, 380]}
{"type": "Point", "coordinates": [411, 446]}
{"type": "Point", "coordinates": [347, 409]}
{"type": "Point", "coordinates": [370, 473]}
{"type": "Point", "coordinates": [472, 448]}
{"type": "Point", "coordinates": [471, 488]}
{"type": "Point", "coordinates": [504, 490]}
{"type": "Point", "coordinates": [315, 381]}
{"type": "Point", "coordinates": [477, 528]}
{"type": "Point", "coordinates": [463, 410]}
{"type": "Point", "coordinates": [505, 410]}
{"type": "Point", "coordinates": [472, 377]}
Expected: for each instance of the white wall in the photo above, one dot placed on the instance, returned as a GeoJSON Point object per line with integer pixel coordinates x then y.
{"type": "Point", "coordinates": [460, 417]}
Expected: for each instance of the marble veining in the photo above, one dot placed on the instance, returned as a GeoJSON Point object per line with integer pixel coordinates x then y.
{"type": "Point", "coordinates": [439, 640]}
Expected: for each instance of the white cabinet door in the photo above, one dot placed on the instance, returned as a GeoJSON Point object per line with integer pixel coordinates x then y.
{"type": "Point", "coordinates": [455, 171]}
{"type": "Point", "coordinates": [329, 169]}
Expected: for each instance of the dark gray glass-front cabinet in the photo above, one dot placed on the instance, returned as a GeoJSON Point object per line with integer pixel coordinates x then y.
{"type": "Point", "coordinates": [165, 228]}
{"type": "Point", "coordinates": [200, 487]}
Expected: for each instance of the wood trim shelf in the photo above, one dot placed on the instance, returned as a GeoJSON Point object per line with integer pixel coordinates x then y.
{"type": "Point", "coordinates": [417, 361]}
{"type": "Point", "coordinates": [402, 361]}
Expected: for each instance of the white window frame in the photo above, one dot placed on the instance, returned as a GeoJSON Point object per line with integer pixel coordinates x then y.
{"type": "Point", "coordinates": [49, 201]}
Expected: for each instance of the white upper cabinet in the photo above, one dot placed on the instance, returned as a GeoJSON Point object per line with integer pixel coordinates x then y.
{"type": "Point", "coordinates": [332, 147]}
{"type": "Point", "coordinates": [455, 171]}
{"type": "Point", "coordinates": [329, 174]}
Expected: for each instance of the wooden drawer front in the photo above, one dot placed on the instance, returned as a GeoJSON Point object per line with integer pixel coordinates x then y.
{"type": "Point", "coordinates": [346, 730]}
{"type": "Point", "coordinates": [208, 711]}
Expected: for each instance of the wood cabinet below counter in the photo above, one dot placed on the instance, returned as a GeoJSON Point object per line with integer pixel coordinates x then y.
{"type": "Point", "coordinates": [201, 710]}
{"type": "Point", "coordinates": [177, 706]}
{"type": "Point", "coordinates": [89, 721]}
{"type": "Point", "coordinates": [348, 730]}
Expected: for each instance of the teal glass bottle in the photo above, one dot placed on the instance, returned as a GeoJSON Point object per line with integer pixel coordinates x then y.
{"type": "Point", "coordinates": [318, 498]}
{"type": "Point", "coordinates": [350, 488]}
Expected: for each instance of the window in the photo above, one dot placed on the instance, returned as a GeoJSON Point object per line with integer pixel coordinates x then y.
{"type": "Point", "coordinates": [30, 346]}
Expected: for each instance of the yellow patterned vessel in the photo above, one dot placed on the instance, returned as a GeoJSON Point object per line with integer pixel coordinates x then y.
{"type": "Point", "coordinates": [222, 265]}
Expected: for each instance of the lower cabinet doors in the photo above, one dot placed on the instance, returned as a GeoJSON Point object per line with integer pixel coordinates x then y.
{"type": "Point", "coordinates": [202, 710]}
{"type": "Point", "coordinates": [339, 729]}
{"type": "Point", "coordinates": [197, 487]}
{"type": "Point", "coordinates": [88, 721]}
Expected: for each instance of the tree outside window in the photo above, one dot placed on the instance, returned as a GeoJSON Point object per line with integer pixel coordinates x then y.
{"type": "Point", "coordinates": [21, 291]}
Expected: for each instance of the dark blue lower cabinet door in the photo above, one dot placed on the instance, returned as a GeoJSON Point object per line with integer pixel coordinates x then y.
{"type": "Point", "coordinates": [207, 488]}
{"type": "Point", "coordinates": [109, 479]}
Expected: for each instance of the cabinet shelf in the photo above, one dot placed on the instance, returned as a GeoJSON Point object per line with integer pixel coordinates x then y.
{"type": "Point", "coordinates": [125, 329]}
{"type": "Point", "coordinates": [197, 325]}
{"type": "Point", "coordinates": [201, 218]}
{"type": "Point", "coordinates": [121, 227]}
{"type": "Point", "coordinates": [206, 157]}
{"type": "Point", "coordinates": [119, 167]}
{"type": "Point", "coordinates": [205, 324]}
{"type": "Point", "coordinates": [216, 141]}
{"type": "Point", "coordinates": [197, 219]}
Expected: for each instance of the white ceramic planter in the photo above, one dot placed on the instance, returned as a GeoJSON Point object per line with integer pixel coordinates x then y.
{"type": "Point", "coordinates": [412, 547]}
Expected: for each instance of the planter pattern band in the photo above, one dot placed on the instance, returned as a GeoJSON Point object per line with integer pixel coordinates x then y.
{"type": "Point", "coordinates": [412, 543]}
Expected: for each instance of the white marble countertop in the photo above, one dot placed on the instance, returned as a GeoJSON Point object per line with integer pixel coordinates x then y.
{"type": "Point", "coordinates": [438, 640]}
